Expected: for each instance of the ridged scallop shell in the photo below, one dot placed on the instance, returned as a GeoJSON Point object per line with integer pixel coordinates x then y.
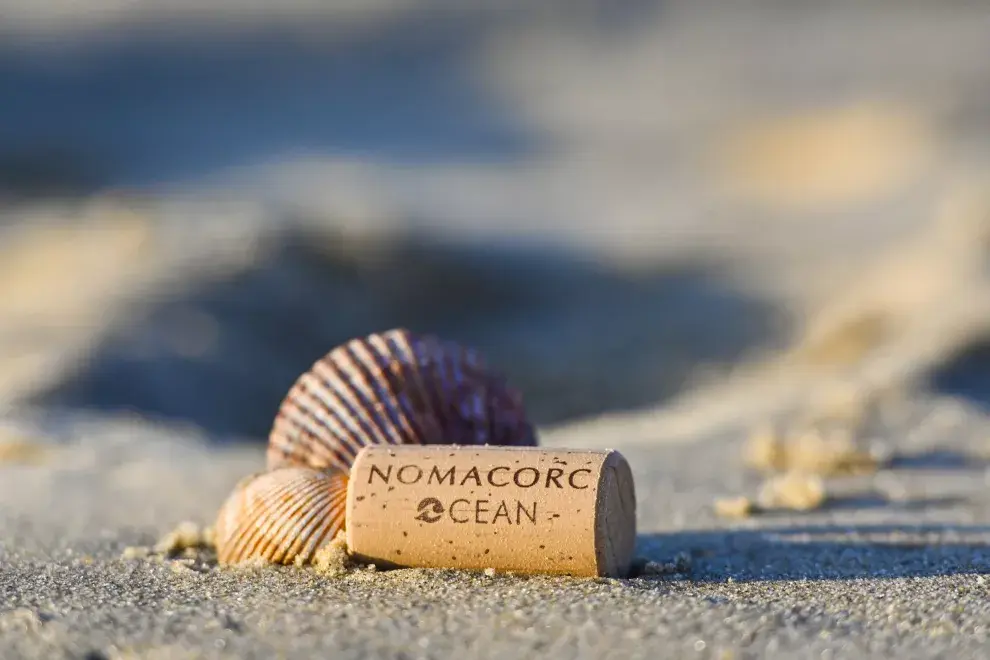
{"type": "Point", "coordinates": [281, 516]}
{"type": "Point", "coordinates": [394, 387]}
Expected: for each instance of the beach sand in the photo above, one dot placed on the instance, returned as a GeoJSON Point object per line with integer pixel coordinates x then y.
{"type": "Point", "coordinates": [893, 564]}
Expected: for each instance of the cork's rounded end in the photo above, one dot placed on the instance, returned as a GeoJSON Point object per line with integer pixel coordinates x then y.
{"type": "Point", "coordinates": [615, 527]}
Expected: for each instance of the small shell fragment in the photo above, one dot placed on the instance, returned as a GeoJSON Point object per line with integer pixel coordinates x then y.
{"type": "Point", "coordinates": [282, 517]}
{"type": "Point", "coordinates": [332, 559]}
{"type": "Point", "coordinates": [829, 453]}
{"type": "Point", "coordinates": [394, 388]}
{"type": "Point", "coordinates": [135, 552]}
{"type": "Point", "coordinates": [186, 535]}
{"type": "Point", "coordinates": [826, 452]}
{"type": "Point", "coordinates": [797, 491]}
{"type": "Point", "coordinates": [733, 507]}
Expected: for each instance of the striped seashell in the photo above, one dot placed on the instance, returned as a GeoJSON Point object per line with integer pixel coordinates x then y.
{"type": "Point", "coordinates": [282, 516]}
{"type": "Point", "coordinates": [394, 387]}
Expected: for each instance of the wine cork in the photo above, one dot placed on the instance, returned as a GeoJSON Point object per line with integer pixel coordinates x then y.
{"type": "Point", "coordinates": [520, 509]}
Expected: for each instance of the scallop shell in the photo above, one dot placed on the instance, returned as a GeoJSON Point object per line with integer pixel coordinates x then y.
{"type": "Point", "coordinates": [394, 387]}
{"type": "Point", "coordinates": [282, 516]}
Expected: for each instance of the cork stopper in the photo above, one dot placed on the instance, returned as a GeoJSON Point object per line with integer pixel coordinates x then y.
{"type": "Point", "coordinates": [521, 509]}
{"type": "Point", "coordinates": [615, 517]}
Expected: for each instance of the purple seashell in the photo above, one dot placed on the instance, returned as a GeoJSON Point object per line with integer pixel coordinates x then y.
{"type": "Point", "coordinates": [394, 387]}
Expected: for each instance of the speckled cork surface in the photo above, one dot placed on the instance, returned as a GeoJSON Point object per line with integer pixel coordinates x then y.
{"type": "Point", "coordinates": [526, 510]}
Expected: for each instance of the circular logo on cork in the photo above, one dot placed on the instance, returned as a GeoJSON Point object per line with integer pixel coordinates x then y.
{"type": "Point", "coordinates": [431, 510]}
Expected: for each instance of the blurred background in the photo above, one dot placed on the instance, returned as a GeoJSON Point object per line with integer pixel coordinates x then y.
{"type": "Point", "coordinates": [630, 207]}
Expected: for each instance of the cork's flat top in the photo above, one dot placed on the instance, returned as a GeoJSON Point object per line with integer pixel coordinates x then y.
{"type": "Point", "coordinates": [616, 527]}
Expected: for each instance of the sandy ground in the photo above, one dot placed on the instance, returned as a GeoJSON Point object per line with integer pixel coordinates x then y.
{"type": "Point", "coordinates": [892, 565]}
{"type": "Point", "coordinates": [669, 224]}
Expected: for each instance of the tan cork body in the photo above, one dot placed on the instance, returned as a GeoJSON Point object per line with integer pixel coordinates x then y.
{"type": "Point", "coordinates": [521, 509]}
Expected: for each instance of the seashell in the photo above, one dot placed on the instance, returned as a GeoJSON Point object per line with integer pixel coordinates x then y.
{"type": "Point", "coordinates": [281, 517]}
{"type": "Point", "coordinates": [394, 387]}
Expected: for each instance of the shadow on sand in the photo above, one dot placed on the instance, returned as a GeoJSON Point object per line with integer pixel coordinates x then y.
{"type": "Point", "coordinates": [820, 552]}
{"type": "Point", "coordinates": [966, 374]}
{"type": "Point", "coordinates": [164, 105]}
{"type": "Point", "coordinates": [576, 336]}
